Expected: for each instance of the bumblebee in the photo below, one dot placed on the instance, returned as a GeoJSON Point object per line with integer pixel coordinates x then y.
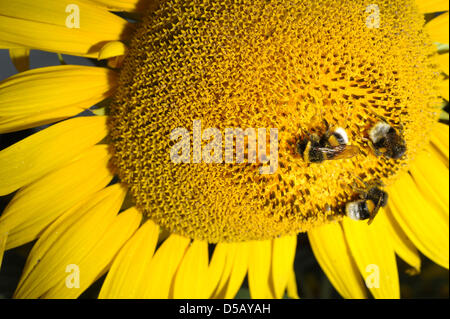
{"type": "Point", "coordinates": [330, 146]}
{"type": "Point", "coordinates": [386, 141]}
{"type": "Point", "coordinates": [372, 199]}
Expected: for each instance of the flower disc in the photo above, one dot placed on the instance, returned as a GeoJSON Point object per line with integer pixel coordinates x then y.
{"type": "Point", "coordinates": [267, 64]}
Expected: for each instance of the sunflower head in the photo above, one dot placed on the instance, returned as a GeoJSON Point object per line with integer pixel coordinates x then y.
{"type": "Point", "coordinates": [257, 64]}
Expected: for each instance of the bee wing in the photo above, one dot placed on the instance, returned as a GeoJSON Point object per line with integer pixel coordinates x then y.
{"type": "Point", "coordinates": [340, 152]}
{"type": "Point", "coordinates": [348, 152]}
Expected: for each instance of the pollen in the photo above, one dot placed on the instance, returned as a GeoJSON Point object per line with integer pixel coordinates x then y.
{"type": "Point", "coordinates": [290, 65]}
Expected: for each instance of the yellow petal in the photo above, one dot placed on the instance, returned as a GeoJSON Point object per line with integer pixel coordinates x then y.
{"type": "Point", "coordinates": [229, 252]}
{"type": "Point", "coordinates": [333, 254]}
{"type": "Point", "coordinates": [128, 272]}
{"type": "Point", "coordinates": [444, 89]}
{"type": "Point", "coordinates": [71, 240]}
{"type": "Point", "coordinates": [427, 228]}
{"type": "Point", "coordinates": [20, 58]}
{"type": "Point", "coordinates": [51, 88]}
{"type": "Point", "coordinates": [163, 266]}
{"type": "Point", "coordinates": [238, 270]}
{"type": "Point", "coordinates": [260, 258]}
{"type": "Point", "coordinates": [3, 238]}
{"type": "Point", "coordinates": [432, 179]}
{"type": "Point", "coordinates": [438, 28]}
{"type": "Point", "coordinates": [402, 245]}
{"type": "Point", "coordinates": [440, 142]}
{"type": "Point", "coordinates": [67, 219]}
{"type": "Point", "coordinates": [427, 6]}
{"type": "Point", "coordinates": [35, 206]}
{"type": "Point", "coordinates": [51, 25]}
{"type": "Point", "coordinates": [292, 291]}
{"type": "Point", "coordinates": [47, 150]}
{"type": "Point", "coordinates": [433, 149]}
{"type": "Point", "coordinates": [283, 255]}
{"type": "Point", "coordinates": [443, 62]}
{"type": "Point", "coordinates": [94, 258]}
{"type": "Point", "coordinates": [190, 280]}
{"type": "Point", "coordinates": [216, 267]}
{"type": "Point", "coordinates": [373, 252]}
{"type": "Point", "coordinates": [121, 5]}
{"type": "Point", "coordinates": [22, 122]}
{"type": "Point", "coordinates": [116, 191]}
{"type": "Point", "coordinates": [112, 49]}
{"type": "Point", "coordinates": [8, 45]}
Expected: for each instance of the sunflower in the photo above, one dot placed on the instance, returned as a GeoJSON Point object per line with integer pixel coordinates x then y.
{"type": "Point", "coordinates": [99, 194]}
